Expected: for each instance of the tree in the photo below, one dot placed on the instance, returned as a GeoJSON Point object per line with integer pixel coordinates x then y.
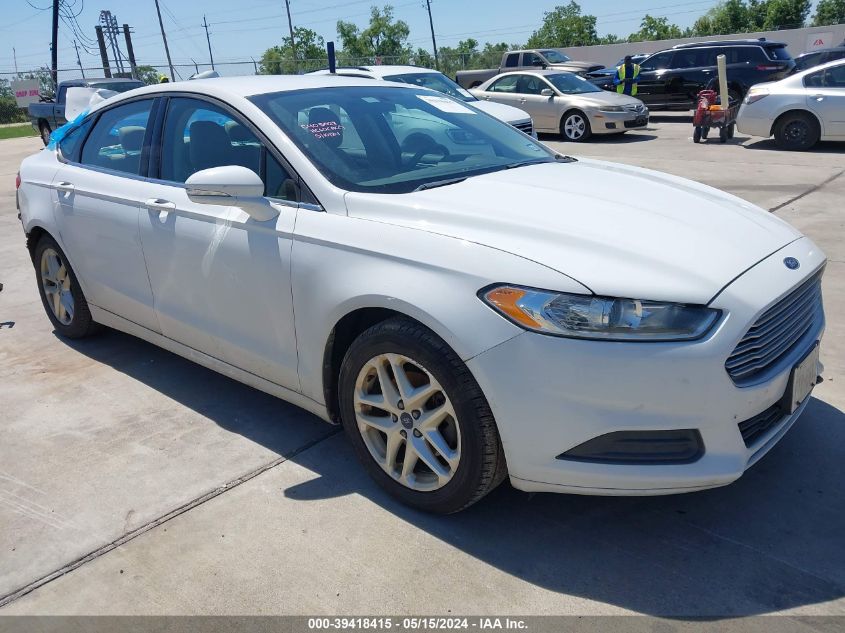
{"type": "Point", "coordinates": [565, 26]}
{"type": "Point", "coordinates": [285, 59]}
{"type": "Point", "coordinates": [829, 12]}
{"type": "Point", "coordinates": [786, 14]}
{"type": "Point", "coordinates": [147, 74]}
{"type": "Point", "coordinates": [655, 29]}
{"type": "Point", "coordinates": [384, 38]}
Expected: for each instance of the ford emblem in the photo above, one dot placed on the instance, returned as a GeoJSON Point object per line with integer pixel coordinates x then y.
{"type": "Point", "coordinates": [791, 263]}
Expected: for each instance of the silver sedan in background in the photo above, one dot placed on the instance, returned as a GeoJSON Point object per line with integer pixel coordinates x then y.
{"type": "Point", "coordinates": [798, 111]}
{"type": "Point", "coordinates": [561, 102]}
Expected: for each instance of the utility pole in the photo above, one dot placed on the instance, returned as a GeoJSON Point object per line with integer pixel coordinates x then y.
{"type": "Point", "coordinates": [433, 41]}
{"type": "Point", "coordinates": [104, 56]}
{"type": "Point", "coordinates": [79, 61]}
{"type": "Point", "coordinates": [15, 55]}
{"type": "Point", "coordinates": [290, 26]}
{"type": "Point", "coordinates": [208, 39]}
{"type": "Point", "coordinates": [54, 49]}
{"type": "Point", "coordinates": [166, 49]}
{"type": "Point", "coordinates": [130, 51]}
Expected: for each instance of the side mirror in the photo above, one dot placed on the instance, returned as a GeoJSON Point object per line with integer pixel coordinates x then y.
{"type": "Point", "coordinates": [231, 186]}
{"type": "Point", "coordinates": [547, 92]}
{"type": "Point", "coordinates": [538, 62]}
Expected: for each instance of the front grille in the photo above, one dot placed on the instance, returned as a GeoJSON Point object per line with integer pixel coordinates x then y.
{"type": "Point", "coordinates": [526, 127]}
{"type": "Point", "coordinates": [636, 123]}
{"type": "Point", "coordinates": [754, 428]}
{"type": "Point", "coordinates": [776, 333]}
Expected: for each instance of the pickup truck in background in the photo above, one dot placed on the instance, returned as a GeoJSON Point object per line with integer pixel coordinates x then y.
{"type": "Point", "coordinates": [48, 115]}
{"type": "Point", "coordinates": [550, 58]}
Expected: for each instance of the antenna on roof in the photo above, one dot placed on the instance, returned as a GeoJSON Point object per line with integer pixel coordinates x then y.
{"type": "Point", "coordinates": [332, 60]}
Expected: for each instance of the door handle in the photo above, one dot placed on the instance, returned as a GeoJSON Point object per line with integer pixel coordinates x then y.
{"type": "Point", "coordinates": [67, 187]}
{"type": "Point", "coordinates": [157, 204]}
{"type": "Point", "coordinates": [522, 100]}
{"type": "Point", "coordinates": [818, 97]}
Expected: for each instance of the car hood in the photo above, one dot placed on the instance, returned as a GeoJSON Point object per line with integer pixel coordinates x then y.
{"type": "Point", "coordinates": [503, 112]}
{"type": "Point", "coordinates": [576, 66]}
{"type": "Point", "coordinates": [618, 230]}
{"type": "Point", "coordinates": [607, 98]}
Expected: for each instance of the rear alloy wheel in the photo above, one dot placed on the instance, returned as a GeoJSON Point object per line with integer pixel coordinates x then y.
{"type": "Point", "coordinates": [796, 131]}
{"type": "Point", "coordinates": [417, 419]}
{"type": "Point", "coordinates": [45, 133]}
{"type": "Point", "coordinates": [61, 295]}
{"type": "Point", "coordinates": [574, 126]}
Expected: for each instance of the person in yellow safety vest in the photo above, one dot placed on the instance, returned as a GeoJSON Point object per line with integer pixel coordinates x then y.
{"type": "Point", "coordinates": [163, 79]}
{"type": "Point", "coordinates": [627, 77]}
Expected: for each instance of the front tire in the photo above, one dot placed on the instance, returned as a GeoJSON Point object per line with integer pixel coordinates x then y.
{"type": "Point", "coordinates": [417, 418]}
{"type": "Point", "coordinates": [575, 127]}
{"type": "Point", "coordinates": [796, 131]}
{"type": "Point", "coordinates": [60, 292]}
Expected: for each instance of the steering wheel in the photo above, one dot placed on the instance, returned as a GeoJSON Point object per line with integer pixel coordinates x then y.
{"type": "Point", "coordinates": [426, 146]}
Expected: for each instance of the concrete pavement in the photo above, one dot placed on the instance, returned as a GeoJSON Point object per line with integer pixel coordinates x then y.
{"type": "Point", "coordinates": [132, 481]}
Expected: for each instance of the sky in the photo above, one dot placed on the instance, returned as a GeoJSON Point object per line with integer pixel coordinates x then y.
{"type": "Point", "coordinates": [242, 29]}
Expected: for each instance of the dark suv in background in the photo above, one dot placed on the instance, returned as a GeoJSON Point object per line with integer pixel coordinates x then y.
{"type": "Point", "coordinates": [816, 58]}
{"type": "Point", "coordinates": [672, 79]}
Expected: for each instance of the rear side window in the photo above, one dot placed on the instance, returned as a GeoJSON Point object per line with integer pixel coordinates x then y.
{"type": "Point", "coordinates": [505, 84]}
{"type": "Point", "coordinates": [745, 55]}
{"type": "Point", "coordinates": [695, 58]}
{"type": "Point", "coordinates": [117, 138]}
{"type": "Point", "coordinates": [71, 144]}
{"type": "Point", "coordinates": [512, 60]}
{"type": "Point", "coordinates": [779, 53]}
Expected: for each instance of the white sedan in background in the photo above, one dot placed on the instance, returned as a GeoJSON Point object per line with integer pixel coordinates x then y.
{"type": "Point", "coordinates": [467, 315]}
{"type": "Point", "coordinates": [800, 110]}
{"type": "Point", "coordinates": [435, 80]}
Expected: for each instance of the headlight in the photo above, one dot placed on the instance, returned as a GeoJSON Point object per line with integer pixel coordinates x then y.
{"type": "Point", "coordinates": [611, 108]}
{"type": "Point", "coordinates": [755, 95]}
{"type": "Point", "coordinates": [606, 318]}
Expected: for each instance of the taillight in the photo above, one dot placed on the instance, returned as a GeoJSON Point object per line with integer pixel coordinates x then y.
{"type": "Point", "coordinates": [18, 180]}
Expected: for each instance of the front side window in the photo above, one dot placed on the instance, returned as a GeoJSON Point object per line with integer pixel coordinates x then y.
{"type": "Point", "coordinates": [530, 85]}
{"type": "Point", "coordinates": [660, 61]}
{"type": "Point", "coordinates": [395, 140]}
{"type": "Point", "coordinates": [71, 144]}
{"type": "Point", "coordinates": [835, 77]}
{"type": "Point", "coordinates": [530, 59]}
{"type": "Point", "coordinates": [200, 135]}
{"type": "Point", "coordinates": [512, 60]}
{"type": "Point", "coordinates": [505, 84]}
{"type": "Point", "coordinates": [117, 138]}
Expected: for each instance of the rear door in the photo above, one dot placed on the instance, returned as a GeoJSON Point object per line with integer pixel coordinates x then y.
{"type": "Point", "coordinates": [97, 201]}
{"type": "Point", "coordinates": [693, 68]}
{"type": "Point", "coordinates": [220, 278]}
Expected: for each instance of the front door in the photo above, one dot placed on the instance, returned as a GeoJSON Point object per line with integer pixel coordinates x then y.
{"type": "Point", "coordinates": [543, 109]}
{"type": "Point", "coordinates": [826, 97]}
{"type": "Point", "coordinates": [654, 78]}
{"type": "Point", "coordinates": [221, 279]}
{"type": "Point", "coordinates": [97, 195]}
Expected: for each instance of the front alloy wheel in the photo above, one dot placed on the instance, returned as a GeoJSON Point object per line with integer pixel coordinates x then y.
{"type": "Point", "coordinates": [407, 422]}
{"type": "Point", "coordinates": [417, 419]}
{"type": "Point", "coordinates": [55, 282]}
{"type": "Point", "coordinates": [575, 127]}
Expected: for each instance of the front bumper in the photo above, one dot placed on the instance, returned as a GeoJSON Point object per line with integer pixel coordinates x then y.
{"type": "Point", "coordinates": [611, 122]}
{"type": "Point", "coordinates": [552, 394]}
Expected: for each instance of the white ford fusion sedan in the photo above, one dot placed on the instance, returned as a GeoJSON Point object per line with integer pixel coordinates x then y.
{"type": "Point", "coordinates": [459, 297]}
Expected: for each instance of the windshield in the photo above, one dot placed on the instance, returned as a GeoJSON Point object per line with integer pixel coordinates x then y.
{"type": "Point", "coordinates": [554, 57]}
{"type": "Point", "coordinates": [393, 140]}
{"type": "Point", "coordinates": [570, 84]}
{"type": "Point", "coordinates": [117, 86]}
{"type": "Point", "coordinates": [435, 81]}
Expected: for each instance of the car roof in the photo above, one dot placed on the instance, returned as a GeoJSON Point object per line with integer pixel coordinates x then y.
{"type": "Point", "coordinates": [750, 42]}
{"type": "Point", "coordinates": [541, 72]}
{"type": "Point", "coordinates": [251, 85]}
{"type": "Point", "coordinates": [815, 69]}
{"type": "Point", "coordinates": [377, 72]}
{"type": "Point", "coordinates": [832, 49]}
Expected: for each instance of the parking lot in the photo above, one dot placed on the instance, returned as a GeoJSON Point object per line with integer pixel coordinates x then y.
{"type": "Point", "coordinates": [135, 482]}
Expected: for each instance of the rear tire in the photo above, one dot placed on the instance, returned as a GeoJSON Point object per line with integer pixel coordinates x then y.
{"type": "Point", "coordinates": [44, 129]}
{"type": "Point", "coordinates": [575, 127]}
{"type": "Point", "coordinates": [796, 131]}
{"type": "Point", "coordinates": [60, 292]}
{"type": "Point", "coordinates": [397, 430]}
